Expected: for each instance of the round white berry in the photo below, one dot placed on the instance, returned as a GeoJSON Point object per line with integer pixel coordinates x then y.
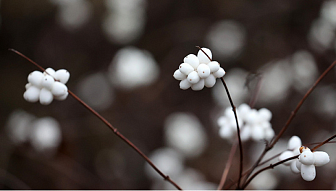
{"type": "Point", "coordinates": [179, 75]}
{"type": "Point", "coordinates": [214, 66]}
{"type": "Point", "coordinates": [62, 97]}
{"type": "Point", "coordinates": [293, 166]}
{"type": "Point", "coordinates": [204, 58]}
{"type": "Point", "coordinates": [220, 73]}
{"type": "Point", "coordinates": [193, 77]}
{"type": "Point", "coordinates": [192, 60]}
{"type": "Point", "coordinates": [35, 78]}
{"type": "Point", "coordinates": [298, 164]}
{"type": "Point", "coordinates": [32, 94]}
{"type": "Point", "coordinates": [198, 86]}
{"type": "Point", "coordinates": [59, 89]}
{"type": "Point", "coordinates": [46, 96]}
{"type": "Point", "coordinates": [258, 134]}
{"type": "Point", "coordinates": [184, 84]}
{"type": "Point", "coordinates": [321, 158]}
{"type": "Point", "coordinates": [294, 142]}
{"type": "Point", "coordinates": [49, 71]}
{"type": "Point", "coordinates": [225, 132]}
{"type": "Point", "coordinates": [269, 133]}
{"type": "Point", "coordinates": [62, 75]}
{"type": "Point", "coordinates": [286, 155]}
{"type": "Point", "coordinates": [265, 114]}
{"type": "Point", "coordinates": [28, 85]}
{"type": "Point", "coordinates": [308, 172]}
{"type": "Point", "coordinates": [47, 82]}
{"type": "Point", "coordinates": [203, 70]}
{"type": "Point", "coordinates": [307, 157]}
{"type": "Point", "coordinates": [210, 81]}
{"type": "Point", "coordinates": [186, 68]}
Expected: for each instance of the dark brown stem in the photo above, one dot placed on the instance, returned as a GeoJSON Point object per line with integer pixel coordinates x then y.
{"type": "Point", "coordinates": [115, 131]}
{"type": "Point", "coordinates": [324, 142]}
{"type": "Point", "coordinates": [228, 165]}
{"type": "Point", "coordinates": [238, 129]}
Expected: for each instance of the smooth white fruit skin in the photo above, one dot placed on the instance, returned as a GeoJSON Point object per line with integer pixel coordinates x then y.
{"type": "Point", "coordinates": [184, 84]}
{"type": "Point", "coordinates": [298, 164]}
{"type": "Point", "coordinates": [257, 134]}
{"type": "Point", "coordinates": [294, 142]}
{"type": "Point", "coordinates": [321, 158]}
{"type": "Point", "coordinates": [186, 68]}
{"type": "Point", "coordinates": [308, 172]}
{"type": "Point", "coordinates": [49, 71]}
{"type": "Point", "coordinates": [245, 133]}
{"type": "Point", "coordinates": [59, 89]}
{"type": "Point", "coordinates": [61, 98]}
{"type": "Point", "coordinates": [210, 81]}
{"type": "Point", "coordinates": [35, 78]}
{"type": "Point", "coordinates": [193, 77]}
{"type": "Point", "coordinates": [192, 60]}
{"type": "Point", "coordinates": [269, 133]}
{"type": "Point", "coordinates": [46, 96]}
{"type": "Point", "coordinates": [179, 75]}
{"type": "Point", "coordinates": [28, 85]}
{"type": "Point", "coordinates": [307, 157]}
{"type": "Point", "coordinates": [220, 73]}
{"type": "Point", "coordinates": [32, 94]}
{"type": "Point", "coordinates": [203, 70]}
{"type": "Point", "coordinates": [204, 58]}
{"type": "Point", "coordinates": [198, 86]}
{"type": "Point", "coordinates": [293, 166]}
{"type": "Point", "coordinates": [286, 155]}
{"type": "Point", "coordinates": [62, 75]}
{"type": "Point", "coordinates": [225, 132]}
{"type": "Point", "coordinates": [265, 114]}
{"type": "Point", "coordinates": [47, 82]}
{"type": "Point", "coordinates": [214, 66]}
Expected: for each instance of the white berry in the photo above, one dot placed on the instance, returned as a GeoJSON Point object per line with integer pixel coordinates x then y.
{"type": "Point", "coordinates": [32, 94]}
{"type": "Point", "coordinates": [203, 70]}
{"type": "Point", "coordinates": [46, 96]}
{"type": "Point", "coordinates": [186, 68]}
{"type": "Point", "coordinates": [59, 89]}
{"type": "Point", "coordinates": [35, 78]}
{"type": "Point", "coordinates": [193, 77]}
{"type": "Point", "coordinates": [62, 75]}
{"type": "Point", "coordinates": [204, 58]}
{"type": "Point", "coordinates": [214, 66]}
{"type": "Point", "coordinates": [47, 82]}
{"type": "Point", "coordinates": [192, 60]}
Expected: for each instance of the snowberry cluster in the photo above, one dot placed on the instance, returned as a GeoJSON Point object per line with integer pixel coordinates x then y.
{"type": "Point", "coordinates": [254, 124]}
{"type": "Point", "coordinates": [198, 71]}
{"type": "Point", "coordinates": [46, 86]}
{"type": "Point", "coordinates": [307, 160]}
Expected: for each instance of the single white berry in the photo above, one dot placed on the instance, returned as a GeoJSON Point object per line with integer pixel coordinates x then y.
{"type": "Point", "coordinates": [307, 157]}
{"type": "Point", "coordinates": [59, 89]}
{"type": "Point", "coordinates": [184, 84]}
{"type": "Point", "coordinates": [265, 114]}
{"type": "Point", "coordinates": [47, 82]}
{"type": "Point", "coordinates": [62, 75]}
{"type": "Point", "coordinates": [220, 73]}
{"type": "Point", "coordinates": [192, 60]}
{"type": "Point", "coordinates": [32, 94]}
{"type": "Point", "coordinates": [294, 167]}
{"type": "Point", "coordinates": [179, 75]}
{"type": "Point", "coordinates": [198, 86]}
{"type": "Point", "coordinates": [294, 142]}
{"type": "Point", "coordinates": [269, 133]}
{"type": "Point", "coordinates": [203, 70]}
{"type": "Point", "coordinates": [28, 85]}
{"type": "Point", "coordinates": [225, 132]}
{"type": "Point", "coordinates": [62, 97]}
{"type": "Point", "coordinates": [308, 172]}
{"type": "Point", "coordinates": [35, 78]}
{"type": "Point", "coordinates": [46, 96]}
{"type": "Point", "coordinates": [193, 77]}
{"type": "Point", "coordinates": [214, 66]}
{"type": "Point", "coordinates": [210, 81]}
{"type": "Point", "coordinates": [321, 158]}
{"type": "Point", "coordinates": [49, 71]}
{"type": "Point", "coordinates": [258, 134]}
{"type": "Point", "coordinates": [204, 58]}
{"type": "Point", "coordinates": [186, 68]}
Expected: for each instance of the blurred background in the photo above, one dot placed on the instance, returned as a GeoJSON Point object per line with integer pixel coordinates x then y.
{"type": "Point", "coordinates": [122, 54]}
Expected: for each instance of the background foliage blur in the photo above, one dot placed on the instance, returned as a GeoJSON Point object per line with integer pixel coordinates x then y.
{"type": "Point", "coordinates": [121, 55]}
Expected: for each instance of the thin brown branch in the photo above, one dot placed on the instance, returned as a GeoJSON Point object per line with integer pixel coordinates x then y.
{"type": "Point", "coordinates": [324, 142]}
{"type": "Point", "coordinates": [235, 114]}
{"type": "Point", "coordinates": [115, 131]}
{"type": "Point", "coordinates": [228, 165]}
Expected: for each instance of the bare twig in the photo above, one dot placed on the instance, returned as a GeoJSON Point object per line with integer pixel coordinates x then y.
{"type": "Point", "coordinates": [238, 129]}
{"type": "Point", "coordinates": [115, 131]}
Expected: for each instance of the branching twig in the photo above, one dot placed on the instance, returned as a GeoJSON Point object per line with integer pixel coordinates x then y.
{"type": "Point", "coordinates": [115, 131]}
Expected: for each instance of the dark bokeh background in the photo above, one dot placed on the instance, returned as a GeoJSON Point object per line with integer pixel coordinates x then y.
{"type": "Point", "coordinates": [274, 30]}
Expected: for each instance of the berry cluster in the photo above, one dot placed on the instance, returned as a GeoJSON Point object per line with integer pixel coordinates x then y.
{"type": "Point", "coordinates": [254, 124]}
{"type": "Point", "coordinates": [46, 86]}
{"type": "Point", "coordinates": [307, 159]}
{"type": "Point", "coordinates": [198, 71]}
